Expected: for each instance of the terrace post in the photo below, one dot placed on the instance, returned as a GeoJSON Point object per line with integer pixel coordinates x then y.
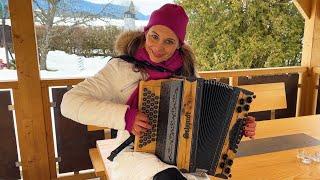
{"type": "Point", "coordinates": [308, 82]}
{"type": "Point", "coordinates": [27, 97]}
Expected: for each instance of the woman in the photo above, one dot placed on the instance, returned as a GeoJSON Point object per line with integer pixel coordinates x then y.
{"type": "Point", "coordinates": [110, 98]}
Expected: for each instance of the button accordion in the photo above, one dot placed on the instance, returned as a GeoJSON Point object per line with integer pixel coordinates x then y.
{"type": "Point", "coordinates": [196, 124]}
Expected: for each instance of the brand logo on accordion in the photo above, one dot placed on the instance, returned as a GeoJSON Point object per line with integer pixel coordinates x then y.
{"type": "Point", "coordinates": [187, 127]}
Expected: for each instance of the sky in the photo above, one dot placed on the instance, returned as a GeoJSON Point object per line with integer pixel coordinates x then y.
{"type": "Point", "coordinates": [143, 6]}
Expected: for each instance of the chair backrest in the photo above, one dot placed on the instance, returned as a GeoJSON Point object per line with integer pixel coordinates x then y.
{"type": "Point", "coordinates": [270, 96]}
{"type": "Point", "coordinates": [95, 128]}
{"type": "Point", "coordinates": [107, 131]}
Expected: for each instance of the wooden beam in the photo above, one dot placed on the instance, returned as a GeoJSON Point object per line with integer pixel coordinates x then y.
{"type": "Point", "coordinates": [27, 99]}
{"type": "Point", "coordinates": [61, 82]}
{"type": "Point", "coordinates": [304, 7]}
{"type": "Point", "coordinates": [311, 39]}
{"type": "Point", "coordinates": [251, 72]}
{"type": "Point", "coordinates": [84, 176]}
{"type": "Point", "coordinates": [9, 85]}
{"type": "Point", "coordinates": [95, 128]}
{"type": "Point", "coordinates": [48, 124]}
{"type": "Point", "coordinates": [310, 59]}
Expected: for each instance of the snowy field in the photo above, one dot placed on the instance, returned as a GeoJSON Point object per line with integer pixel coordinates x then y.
{"type": "Point", "coordinates": [63, 65]}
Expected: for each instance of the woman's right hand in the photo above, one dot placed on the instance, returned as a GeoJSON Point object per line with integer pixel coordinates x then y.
{"type": "Point", "coordinates": [141, 124]}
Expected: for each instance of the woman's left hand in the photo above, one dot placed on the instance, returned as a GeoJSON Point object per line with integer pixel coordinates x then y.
{"type": "Point", "coordinates": [250, 128]}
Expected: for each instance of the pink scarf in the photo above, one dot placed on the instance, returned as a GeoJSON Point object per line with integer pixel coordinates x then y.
{"type": "Point", "coordinates": [174, 63]}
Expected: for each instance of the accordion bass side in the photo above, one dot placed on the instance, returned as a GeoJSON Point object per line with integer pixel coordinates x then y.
{"type": "Point", "coordinates": [196, 124]}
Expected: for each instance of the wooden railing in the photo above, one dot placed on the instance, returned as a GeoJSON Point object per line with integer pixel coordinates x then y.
{"type": "Point", "coordinates": [252, 72]}
{"type": "Point", "coordinates": [233, 76]}
{"type": "Point", "coordinates": [8, 84]}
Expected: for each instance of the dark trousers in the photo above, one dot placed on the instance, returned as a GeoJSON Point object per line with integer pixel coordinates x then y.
{"type": "Point", "coordinates": [169, 174]}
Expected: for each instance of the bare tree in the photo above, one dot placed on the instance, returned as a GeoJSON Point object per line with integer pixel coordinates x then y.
{"type": "Point", "coordinates": [54, 12]}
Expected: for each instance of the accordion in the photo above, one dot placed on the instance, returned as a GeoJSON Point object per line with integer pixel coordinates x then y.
{"type": "Point", "coordinates": [196, 124]}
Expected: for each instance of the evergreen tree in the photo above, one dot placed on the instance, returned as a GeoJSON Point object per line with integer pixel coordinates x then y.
{"type": "Point", "coordinates": [233, 34]}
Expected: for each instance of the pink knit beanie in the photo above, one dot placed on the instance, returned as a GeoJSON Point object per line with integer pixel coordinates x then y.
{"type": "Point", "coordinates": [173, 16]}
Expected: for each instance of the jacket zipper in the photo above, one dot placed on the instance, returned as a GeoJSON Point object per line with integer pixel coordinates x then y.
{"type": "Point", "coordinates": [129, 85]}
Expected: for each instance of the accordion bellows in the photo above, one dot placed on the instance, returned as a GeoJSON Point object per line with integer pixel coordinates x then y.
{"type": "Point", "coordinates": [197, 124]}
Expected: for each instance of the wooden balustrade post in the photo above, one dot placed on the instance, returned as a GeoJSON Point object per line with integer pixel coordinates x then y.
{"type": "Point", "coordinates": [49, 130]}
{"type": "Point", "coordinates": [233, 81]}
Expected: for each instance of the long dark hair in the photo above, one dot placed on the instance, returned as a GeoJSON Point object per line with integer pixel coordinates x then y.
{"type": "Point", "coordinates": [187, 54]}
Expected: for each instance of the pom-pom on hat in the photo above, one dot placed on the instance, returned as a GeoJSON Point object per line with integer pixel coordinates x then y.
{"type": "Point", "coordinates": [171, 15]}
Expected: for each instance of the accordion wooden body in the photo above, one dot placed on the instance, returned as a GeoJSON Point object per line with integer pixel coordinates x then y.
{"type": "Point", "coordinates": [196, 124]}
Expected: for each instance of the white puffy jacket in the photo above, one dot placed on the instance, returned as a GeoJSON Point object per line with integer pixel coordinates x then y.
{"type": "Point", "coordinates": [100, 100]}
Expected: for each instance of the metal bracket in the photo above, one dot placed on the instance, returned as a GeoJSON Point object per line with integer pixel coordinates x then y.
{"type": "Point", "coordinates": [11, 107]}
{"type": "Point", "coordinates": [18, 164]}
{"type": "Point", "coordinates": [58, 159]}
{"type": "Point", "coordinates": [69, 87]}
{"type": "Point", "coordinates": [53, 104]}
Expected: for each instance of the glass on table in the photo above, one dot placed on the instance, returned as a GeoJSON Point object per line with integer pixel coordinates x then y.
{"type": "Point", "coordinates": [304, 157]}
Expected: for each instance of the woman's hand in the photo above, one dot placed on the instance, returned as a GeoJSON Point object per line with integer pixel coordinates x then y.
{"type": "Point", "coordinates": [141, 124]}
{"type": "Point", "coordinates": [250, 128]}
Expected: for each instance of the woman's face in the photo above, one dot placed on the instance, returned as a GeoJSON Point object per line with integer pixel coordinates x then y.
{"type": "Point", "coordinates": [161, 43]}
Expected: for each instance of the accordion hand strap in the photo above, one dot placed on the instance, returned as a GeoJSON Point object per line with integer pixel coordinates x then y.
{"type": "Point", "coordinates": [126, 143]}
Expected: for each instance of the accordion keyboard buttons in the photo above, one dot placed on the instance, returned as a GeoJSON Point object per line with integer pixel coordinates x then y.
{"type": "Point", "coordinates": [239, 109]}
{"type": "Point", "coordinates": [229, 162]}
{"type": "Point", "coordinates": [249, 99]}
{"type": "Point", "coordinates": [227, 170]}
{"type": "Point", "coordinates": [224, 157]}
{"type": "Point", "coordinates": [246, 107]}
{"type": "Point", "coordinates": [150, 108]}
{"type": "Point", "coordinates": [241, 101]}
{"type": "Point", "coordinates": [222, 165]}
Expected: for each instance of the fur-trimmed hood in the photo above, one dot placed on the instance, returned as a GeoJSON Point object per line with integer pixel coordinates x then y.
{"type": "Point", "coordinates": [124, 38]}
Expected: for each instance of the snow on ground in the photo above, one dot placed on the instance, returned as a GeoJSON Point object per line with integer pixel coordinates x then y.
{"type": "Point", "coordinates": [62, 65]}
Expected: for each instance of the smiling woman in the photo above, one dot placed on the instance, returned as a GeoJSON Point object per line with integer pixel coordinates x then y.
{"type": "Point", "coordinates": [161, 43]}
{"type": "Point", "coordinates": [110, 98]}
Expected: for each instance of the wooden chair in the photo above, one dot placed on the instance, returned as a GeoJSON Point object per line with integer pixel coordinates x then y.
{"type": "Point", "coordinates": [97, 163]}
{"type": "Point", "coordinates": [270, 96]}
{"type": "Point", "coordinates": [95, 157]}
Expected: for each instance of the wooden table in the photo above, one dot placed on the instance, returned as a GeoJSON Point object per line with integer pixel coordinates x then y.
{"type": "Point", "coordinates": [282, 164]}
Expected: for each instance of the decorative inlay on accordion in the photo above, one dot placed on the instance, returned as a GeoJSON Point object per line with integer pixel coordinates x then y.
{"type": "Point", "coordinates": [196, 124]}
